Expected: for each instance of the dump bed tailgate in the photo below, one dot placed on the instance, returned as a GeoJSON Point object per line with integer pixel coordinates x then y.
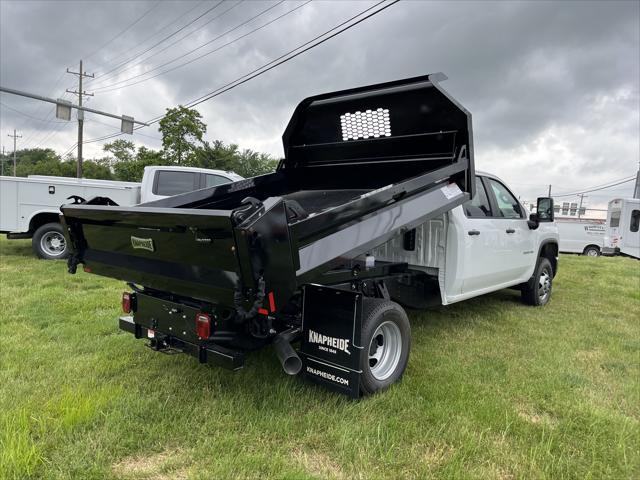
{"type": "Point", "coordinates": [184, 251]}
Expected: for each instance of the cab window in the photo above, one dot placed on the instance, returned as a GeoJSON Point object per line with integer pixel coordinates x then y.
{"type": "Point", "coordinates": [173, 183]}
{"type": "Point", "coordinates": [478, 206]}
{"type": "Point", "coordinates": [508, 206]}
{"type": "Point", "coordinates": [213, 180]}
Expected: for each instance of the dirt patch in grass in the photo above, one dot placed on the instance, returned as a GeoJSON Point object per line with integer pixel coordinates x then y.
{"type": "Point", "coordinates": [536, 418]}
{"type": "Point", "coordinates": [436, 455]}
{"type": "Point", "coordinates": [318, 464]}
{"type": "Point", "coordinates": [155, 466]}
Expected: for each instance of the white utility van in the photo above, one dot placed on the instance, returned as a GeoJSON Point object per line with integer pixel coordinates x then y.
{"type": "Point", "coordinates": [583, 236]}
{"type": "Point", "coordinates": [622, 228]}
{"type": "Point", "coordinates": [30, 206]}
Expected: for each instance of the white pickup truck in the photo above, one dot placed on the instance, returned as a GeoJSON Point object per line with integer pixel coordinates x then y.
{"type": "Point", "coordinates": [487, 244]}
{"type": "Point", "coordinates": [30, 207]}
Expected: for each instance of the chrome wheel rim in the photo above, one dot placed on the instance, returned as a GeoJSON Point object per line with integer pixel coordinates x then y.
{"type": "Point", "coordinates": [53, 244]}
{"type": "Point", "coordinates": [544, 286]}
{"type": "Point", "coordinates": [592, 253]}
{"type": "Point", "coordinates": [385, 349]}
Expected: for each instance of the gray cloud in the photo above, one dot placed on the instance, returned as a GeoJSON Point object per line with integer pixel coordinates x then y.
{"type": "Point", "coordinates": [553, 86]}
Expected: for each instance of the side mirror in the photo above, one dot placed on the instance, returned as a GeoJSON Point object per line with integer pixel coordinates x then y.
{"type": "Point", "coordinates": [533, 221]}
{"type": "Point", "coordinates": [544, 210]}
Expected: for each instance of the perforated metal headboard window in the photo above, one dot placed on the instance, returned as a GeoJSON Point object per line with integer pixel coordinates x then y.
{"type": "Point", "coordinates": [367, 124]}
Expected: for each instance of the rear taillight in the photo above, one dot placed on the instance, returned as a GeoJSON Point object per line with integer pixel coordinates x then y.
{"type": "Point", "coordinates": [203, 325]}
{"type": "Point", "coordinates": [126, 302]}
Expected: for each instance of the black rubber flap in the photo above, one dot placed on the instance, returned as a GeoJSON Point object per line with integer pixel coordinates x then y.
{"type": "Point", "coordinates": [331, 347]}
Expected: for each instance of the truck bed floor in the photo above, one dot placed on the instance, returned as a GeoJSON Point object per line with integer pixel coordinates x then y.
{"type": "Point", "coordinates": [314, 201]}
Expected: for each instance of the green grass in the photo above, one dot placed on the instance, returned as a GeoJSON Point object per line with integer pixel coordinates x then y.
{"type": "Point", "coordinates": [494, 389]}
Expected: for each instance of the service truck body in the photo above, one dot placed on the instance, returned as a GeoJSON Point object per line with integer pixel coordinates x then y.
{"type": "Point", "coordinates": [304, 253]}
{"type": "Point", "coordinates": [622, 227]}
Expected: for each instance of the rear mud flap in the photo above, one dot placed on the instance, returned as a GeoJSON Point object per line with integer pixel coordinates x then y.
{"type": "Point", "coordinates": [331, 330]}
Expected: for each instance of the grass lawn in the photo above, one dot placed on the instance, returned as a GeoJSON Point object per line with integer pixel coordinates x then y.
{"type": "Point", "coordinates": [494, 389]}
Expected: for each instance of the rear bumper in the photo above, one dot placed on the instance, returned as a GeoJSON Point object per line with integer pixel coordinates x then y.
{"type": "Point", "coordinates": [610, 251]}
{"type": "Point", "coordinates": [212, 354]}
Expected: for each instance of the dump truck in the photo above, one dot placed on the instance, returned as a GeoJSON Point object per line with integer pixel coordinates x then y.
{"type": "Point", "coordinates": [319, 253]}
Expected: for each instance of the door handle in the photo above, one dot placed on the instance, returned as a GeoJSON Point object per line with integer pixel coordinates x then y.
{"type": "Point", "coordinates": [473, 232]}
{"type": "Point", "coordinates": [510, 230]}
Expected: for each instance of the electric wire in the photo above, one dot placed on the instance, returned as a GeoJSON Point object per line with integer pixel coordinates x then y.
{"type": "Point", "coordinates": [596, 188]}
{"type": "Point", "coordinates": [337, 30]}
{"type": "Point", "coordinates": [141, 60]}
{"type": "Point", "coordinates": [163, 40]}
{"type": "Point", "coordinates": [111, 87]}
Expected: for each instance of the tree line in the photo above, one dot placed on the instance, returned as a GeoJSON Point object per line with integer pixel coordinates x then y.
{"type": "Point", "coordinates": [183, 144]}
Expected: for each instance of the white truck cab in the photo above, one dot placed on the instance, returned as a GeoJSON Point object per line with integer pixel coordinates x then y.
{"type": "Point", "coordinates": [162, 182]}
{"type": "Point", "coordinates": [487, 244]}
{"type": "Point", "coordinates": [30, 207]}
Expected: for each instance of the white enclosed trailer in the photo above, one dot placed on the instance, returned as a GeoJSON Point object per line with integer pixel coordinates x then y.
{"type": "Point", "coordinates": [622, 228]}
{"type": "Point", "coordinates": [582, 236]}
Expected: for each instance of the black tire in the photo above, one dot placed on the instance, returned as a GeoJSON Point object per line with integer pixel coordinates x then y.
{"type": "Point", "coordinates": [537, 292]}
{"type": "Point", "coordinates": [380, 316]}
{"type": "Point", "coordinates": [48, 242]}
{"type": "Point", "coordinates": [591, 251]}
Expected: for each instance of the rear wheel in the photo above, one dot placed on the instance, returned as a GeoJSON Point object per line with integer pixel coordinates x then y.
{"type": "Point", "coordinates": [386, 337]}
{"type": "Point", "coordinates": [538, 291]}
{"type": "Point", "coordinates": [591, 251]}
{"type": "Point", "coordinates": [49, 243]}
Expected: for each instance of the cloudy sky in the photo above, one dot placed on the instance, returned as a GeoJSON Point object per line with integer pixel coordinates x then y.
{"type": "Point", "coordinates": [553, 86]}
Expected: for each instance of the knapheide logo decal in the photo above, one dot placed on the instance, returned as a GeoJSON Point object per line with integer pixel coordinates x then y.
{"type": "Point", "coordinates": [142, 243]}
{"type": "Point", "coordinates": [327, 343]}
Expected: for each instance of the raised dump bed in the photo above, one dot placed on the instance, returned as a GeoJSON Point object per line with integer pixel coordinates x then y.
{"type": "Point", "coordinates": [360, 165]}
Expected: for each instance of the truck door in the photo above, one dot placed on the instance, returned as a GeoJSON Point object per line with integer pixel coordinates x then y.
{"type": "Point", "coordinates": [515, 246]}
{"type": "Point", "coordinates": [480, 239]}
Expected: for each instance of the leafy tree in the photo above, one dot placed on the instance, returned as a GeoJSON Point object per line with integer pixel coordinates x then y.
{"type": "Point", "coordinates": [182, 130]}
{"type": "Point", "coordinates": [245, 162]}
{"type": "Point", "coordinates": [122, 151]}
{"type": "Point", "coordinates": [132, 171]}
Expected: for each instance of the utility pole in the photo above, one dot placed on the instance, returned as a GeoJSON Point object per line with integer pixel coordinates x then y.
{"type": "Point", "coordinates": [14, 136]}
{"type": "Point", "coordinates": [581, 195]}
{"type": "Point", "coordinates": [2, 163]}
{"type": "Point", "coordinates": [81, 93]}
{"type": "Point", "coordinates": [549, 194]}
{"type": "Point", "coordinates": [636, 189]}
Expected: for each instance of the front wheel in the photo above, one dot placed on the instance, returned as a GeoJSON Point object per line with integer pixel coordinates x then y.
{"type": "Point", "coordinates": [386, 337]}
{"type": "Point", "coordinates": [538, 291]}
{"type": "Point", "coordinates": [49, 243]}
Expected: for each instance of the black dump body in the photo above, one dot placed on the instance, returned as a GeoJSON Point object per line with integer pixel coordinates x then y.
{"type": "Point", "coordinates": [360, 166]}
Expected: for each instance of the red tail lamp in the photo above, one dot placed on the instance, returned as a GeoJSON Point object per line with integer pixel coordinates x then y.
{"type": "Point", "coordinates": [126, 302]}
{"type": "Point", "coordinates": [203, 325]}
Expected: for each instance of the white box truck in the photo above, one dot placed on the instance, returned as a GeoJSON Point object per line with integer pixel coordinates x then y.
{"type": "Point", "coordinates": [622, 234]}
{"type": "Point", "coordinates": [583, 236]}
{"type": "Point", "coordinates": [30, 206]}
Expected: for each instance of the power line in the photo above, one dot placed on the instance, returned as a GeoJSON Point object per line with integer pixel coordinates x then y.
{"type": "Point", "coordinates": [126, 29]}
{"type": "Point", "coordinates": [290, 55]}
{"type": "Point", "coordinates": [30, 116]}
{"type": "Point", "coordinates": [108, 77]}
{"type": "Point", "coordinates": [164, 39]}
{"type": "Point", "coordinates": [157, 32]}
{"type": "Point", "coordinates": [111, 87]}
{"type": "Point", "coordinates": [597, 188]}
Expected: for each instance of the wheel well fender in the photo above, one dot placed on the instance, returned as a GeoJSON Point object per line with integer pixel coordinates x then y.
{"type": "Point", "coordinates": [597, 247]}
{"type": "Point", "coordinates": [549, 250]}
{"type": "Point", "coordinates": [41, 218]}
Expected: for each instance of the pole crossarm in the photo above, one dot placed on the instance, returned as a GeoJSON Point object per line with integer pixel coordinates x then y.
{"type": "Point", "coordinates": [13, 91]}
